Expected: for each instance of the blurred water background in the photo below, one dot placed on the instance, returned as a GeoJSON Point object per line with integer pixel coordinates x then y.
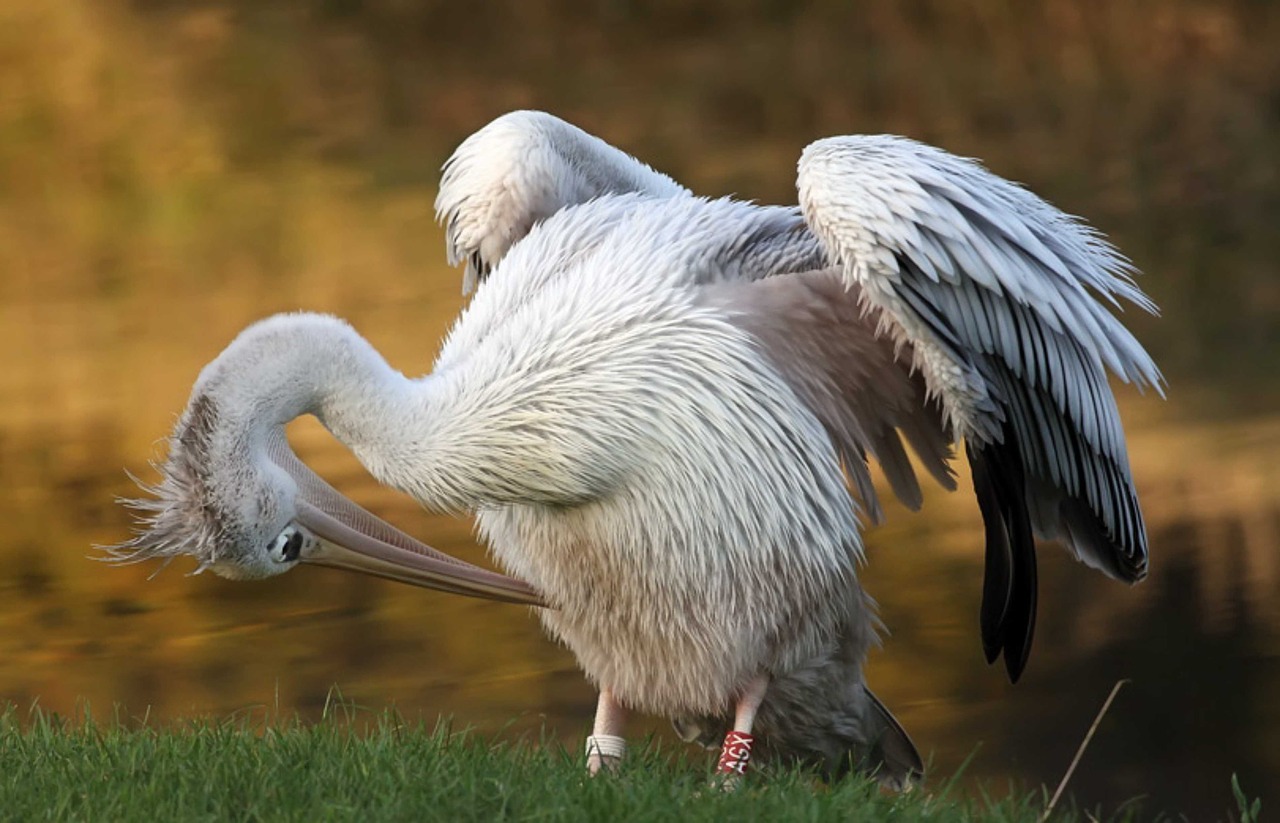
{"type": "Point", "coordinates": [171, 171]}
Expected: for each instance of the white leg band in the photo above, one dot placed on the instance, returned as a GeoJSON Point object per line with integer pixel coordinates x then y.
{"type": "Point", "coordinates": [606, 745]}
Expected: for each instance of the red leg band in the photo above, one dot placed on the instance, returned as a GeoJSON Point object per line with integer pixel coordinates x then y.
{"type": "Point", "coordinates": [736, 753]}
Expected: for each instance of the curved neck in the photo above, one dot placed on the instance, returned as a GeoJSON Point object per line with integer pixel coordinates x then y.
{"type": "Point", "coordinates": [452, 449]}
{"type": "Point", "coordinates": [295, 364]}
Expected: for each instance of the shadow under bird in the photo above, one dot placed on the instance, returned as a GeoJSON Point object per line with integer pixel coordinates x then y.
{"type": "Point", "coordinates": [661, 410]}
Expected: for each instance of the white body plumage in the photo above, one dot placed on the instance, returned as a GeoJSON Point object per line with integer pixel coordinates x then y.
{"type": "Point", "coordinates": [700, 552]}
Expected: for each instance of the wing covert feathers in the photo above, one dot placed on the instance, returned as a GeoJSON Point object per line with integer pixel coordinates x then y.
{"type": "Point", "coordinates": [858, 383]}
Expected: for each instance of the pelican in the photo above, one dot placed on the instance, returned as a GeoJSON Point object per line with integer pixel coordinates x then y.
{"type": "Point", "coordinates": [661, 410]}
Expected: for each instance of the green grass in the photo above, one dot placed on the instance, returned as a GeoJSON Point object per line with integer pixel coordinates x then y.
{"type": "Point", "coordinates": [349, 768]}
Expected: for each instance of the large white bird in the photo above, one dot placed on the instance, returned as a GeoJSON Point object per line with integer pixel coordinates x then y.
{"type": "Point", "coordinates": [655, 406]}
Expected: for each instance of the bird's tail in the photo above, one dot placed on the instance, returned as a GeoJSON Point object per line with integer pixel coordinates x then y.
{"type": "Point", "coordinates": [891, 757]}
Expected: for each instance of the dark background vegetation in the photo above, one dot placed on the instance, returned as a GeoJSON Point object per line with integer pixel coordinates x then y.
{"type": "Point", "coordinates": [1158, 119]}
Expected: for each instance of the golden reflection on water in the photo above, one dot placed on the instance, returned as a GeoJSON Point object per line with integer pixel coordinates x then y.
{"type": "Point", "coordinates": [91, 385]}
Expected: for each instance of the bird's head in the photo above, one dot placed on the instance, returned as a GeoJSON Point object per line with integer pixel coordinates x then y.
{"type": "Point", "coordinates": [236, 515]}
{"type": "Point", "coordinates": [233, 495]}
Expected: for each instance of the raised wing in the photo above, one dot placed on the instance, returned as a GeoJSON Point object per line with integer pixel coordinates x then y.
{"type": "Point", "coordinates": [519, 170]}
{"type": "Point", "coordinates": [1001, 298]}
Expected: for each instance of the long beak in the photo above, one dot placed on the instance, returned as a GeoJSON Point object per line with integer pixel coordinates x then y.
{"type": "Point", "coordinates": [354, 539]}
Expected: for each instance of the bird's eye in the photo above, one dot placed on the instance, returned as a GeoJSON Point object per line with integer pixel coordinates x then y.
{"type": "Point", "coordinates": [287, 545]}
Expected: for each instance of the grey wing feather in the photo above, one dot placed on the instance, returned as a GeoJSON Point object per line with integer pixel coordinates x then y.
{"type": "Point", "coordinates": [1005, 300]}
{"type": "Point", "coordinates": [859, 385]}
{"type": "Point", "coordinates": [519, 170]}
{"type": "Point", "coordinates": [767, 241]}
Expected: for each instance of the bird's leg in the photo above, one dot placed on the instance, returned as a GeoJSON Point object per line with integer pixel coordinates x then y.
{"type": "Point", "coordinates": [606, 747]}
{"type": "Point", "coordinates": [735, 754]}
